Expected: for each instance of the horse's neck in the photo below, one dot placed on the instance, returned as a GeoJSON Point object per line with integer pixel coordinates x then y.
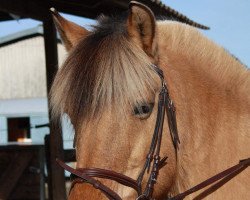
{"type": "Point", "coordinates": [212, 96]}
{"type": "Point", "coordinates": [195, 58]}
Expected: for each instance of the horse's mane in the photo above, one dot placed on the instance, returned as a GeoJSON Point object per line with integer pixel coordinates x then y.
{"type": "Point", "coordinates": [200, 56]}
{"type": "Point", "coordinates": [104, 69]}
{"type": "Point", "coordinates": [107, 70]}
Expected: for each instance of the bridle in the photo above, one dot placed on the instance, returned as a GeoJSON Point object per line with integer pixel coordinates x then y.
{"type": "Point", "coordinates": [165, 106]}
{"type": "Point", "coordinates": [153, 162]}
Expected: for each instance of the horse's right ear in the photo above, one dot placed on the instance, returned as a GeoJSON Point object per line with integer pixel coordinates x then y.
{"type": "Point", "coordinates": [70, 32]}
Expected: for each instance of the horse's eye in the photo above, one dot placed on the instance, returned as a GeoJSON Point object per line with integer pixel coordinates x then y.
{"type": "Point", "coordinates": [143, 110]}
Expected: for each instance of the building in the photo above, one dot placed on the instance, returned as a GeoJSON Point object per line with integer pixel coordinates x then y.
{"type": "Point", "coordinates": [23, 95]}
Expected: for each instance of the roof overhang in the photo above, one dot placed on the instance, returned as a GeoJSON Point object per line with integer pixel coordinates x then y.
{"type": "Point", "coordinates": [39, 9]}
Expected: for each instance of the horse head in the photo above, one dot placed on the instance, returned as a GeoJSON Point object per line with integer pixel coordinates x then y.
{"type": "Point", "coordinates": [109, 89]}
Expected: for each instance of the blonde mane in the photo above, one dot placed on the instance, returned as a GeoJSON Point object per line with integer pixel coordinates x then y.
{"type": "Point", "coordinates": [104, 70]}
{"type": "Point", "coordinates": [202, 55]}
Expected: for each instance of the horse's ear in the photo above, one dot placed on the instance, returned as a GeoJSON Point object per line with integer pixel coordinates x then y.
{"type": "Point", "coordinates": [141, 27]}
{"type": "Point", "coordinates": [70, 32]}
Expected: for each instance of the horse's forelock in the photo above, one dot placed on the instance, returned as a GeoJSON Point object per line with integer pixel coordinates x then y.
{"type": "Point", "coordinates": [104, 70]}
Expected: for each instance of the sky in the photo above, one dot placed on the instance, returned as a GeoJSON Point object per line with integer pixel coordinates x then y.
{"type": "Point", "coordinates": [229, 21]}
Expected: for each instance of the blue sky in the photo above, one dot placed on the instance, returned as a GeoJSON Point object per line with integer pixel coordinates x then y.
{"type": "Point", "coordinates": [229, 21]}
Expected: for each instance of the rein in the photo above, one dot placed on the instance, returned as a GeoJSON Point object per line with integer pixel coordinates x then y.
{"type": "Point", "coordinates": [153, 160]}
{"type": "Point", "coordinates": [85, 176]}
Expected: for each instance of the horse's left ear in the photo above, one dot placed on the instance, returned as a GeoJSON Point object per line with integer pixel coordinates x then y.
{"type": "Point", "coordinates": [70, 32]}
{"type": "Point", "coordinates": [141, 28]}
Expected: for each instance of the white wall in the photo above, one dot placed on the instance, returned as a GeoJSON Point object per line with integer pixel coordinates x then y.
{"type": "Point", "coordinates": [22, 69]}
{"type": "Point", "coordinates": [3, 129]}
{"type": "Point", "coordinates": [23, 87]}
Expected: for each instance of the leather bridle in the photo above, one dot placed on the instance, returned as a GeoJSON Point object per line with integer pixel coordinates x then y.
{"type": "Point", "coordinates": [153, 159]}
{"type": "Point", "coordinates": [165, 105]}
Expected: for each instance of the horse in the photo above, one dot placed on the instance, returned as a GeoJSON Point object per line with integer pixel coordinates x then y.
{"type": "Point", "coordinates": [108, 86]}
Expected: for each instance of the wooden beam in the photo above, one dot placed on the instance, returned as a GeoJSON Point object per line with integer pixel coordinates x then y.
{"type": "Point", "coordinates": [90, 9]}
{"type": "Point", "coordinates": [11, 176]}
{"type": "Point", "coordinates": [42, 177]}
{"type": "Point", "coordinates": [56, 141]}
{"type": "Point", "coordinates": [29, 8]}
{"type": "Point", "coordinates": [69, 155]}
{"type": "Point", "coordinates": [48, 165]}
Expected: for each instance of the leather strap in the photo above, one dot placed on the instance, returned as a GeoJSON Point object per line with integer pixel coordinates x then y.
{"type": "Point", "coordinates": [84, 176]}
{"type": "Point", "coordinates": [223, 176]}
{"type": "Point", "coordinates": [154, 151]}
{"type": "Point", "coordinates": [110, 194]}
{"type": "Point", "coordinates": [112, 175]}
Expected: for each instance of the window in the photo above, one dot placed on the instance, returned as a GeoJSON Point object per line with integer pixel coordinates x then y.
{"type": "Point", "coordinates": [18, 128]}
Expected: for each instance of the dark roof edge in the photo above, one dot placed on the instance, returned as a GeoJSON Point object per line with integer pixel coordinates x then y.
{"type": "Point", "coordinates": [172, 13]}
{"type": "Point", "coordinates": [22, 35]}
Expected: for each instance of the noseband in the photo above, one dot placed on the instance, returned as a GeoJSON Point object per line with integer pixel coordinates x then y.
{"type": "Point", "coordinates": [153, 162]}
